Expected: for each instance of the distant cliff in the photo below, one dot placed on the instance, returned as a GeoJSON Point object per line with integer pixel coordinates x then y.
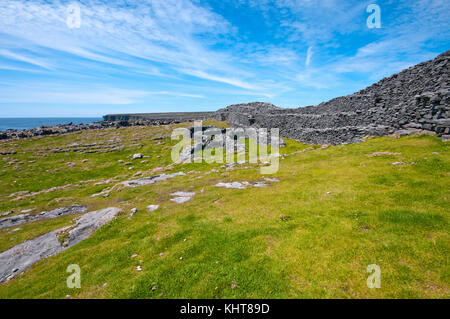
{"type": "Point", "coordinates": [415, 99]}
{"type": "Point", "coordinates": [159, 118]}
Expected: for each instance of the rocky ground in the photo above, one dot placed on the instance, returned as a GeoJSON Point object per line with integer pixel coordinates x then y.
{"type": "Point", "coordinates": [382, 201]}
{"type": "Point", "coordinates": [139, 226]}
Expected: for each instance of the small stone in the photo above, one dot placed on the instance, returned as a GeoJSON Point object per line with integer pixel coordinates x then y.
{"type": "Point", "coordinates": [138, 156]}
{"type": "Point", "coordinates": [138, 268]}
{"type": "Point", "coordinates": [153, 288]}
{"type": "Point", "coordinates": [152, 208]}
{"type": "Point", "coordinates": [134, 255]}
{"type": "Point", "coordinates": [181, 258]}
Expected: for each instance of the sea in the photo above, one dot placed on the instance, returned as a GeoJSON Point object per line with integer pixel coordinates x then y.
{"type": "Point", "coordinates": [29, 123]}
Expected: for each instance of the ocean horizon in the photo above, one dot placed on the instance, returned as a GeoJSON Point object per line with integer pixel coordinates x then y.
{"type": "Point", "coordinates": [18, 123]}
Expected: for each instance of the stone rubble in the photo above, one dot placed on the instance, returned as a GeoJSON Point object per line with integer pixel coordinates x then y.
{"type": "Point", "coordinates": [414, 100]}
{"type": "Point", "coordinates": [231, 143]}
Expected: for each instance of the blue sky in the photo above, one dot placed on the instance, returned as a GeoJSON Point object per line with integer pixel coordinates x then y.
{"type": "Point", "coordinates": [189, 55]}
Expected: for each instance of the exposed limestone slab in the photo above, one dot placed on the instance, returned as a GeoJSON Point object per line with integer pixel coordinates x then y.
{"type": "Point", "coordinates": [233, 164]}
{"type": "Point", "coordinates": [377, 154]}
{"type": "Point", "coordinates": [152, 208]}
{"type": "Point", "coordinates": [243, 185]}
{"type": "Point", "coordinates": [140, 182]}
{"type": "Point", "coordinates": [233, 185]}
{"type": "Point", "coordinates": [150, 180]}
{"type": "Point", "coordinates": [183, 194]}
{"type": "Point", "coordinates": [22, 256]}
{"type": "Point", "coordinates": [260, 184]}
{"type": "Point", "coordinates": [273, 180]}
{"type": "Point", "coordinates": [26, 218]}
{"type": "Point", "coordinates": [90, 222]}
{"type": "Point", "coordinates": [181, 199]}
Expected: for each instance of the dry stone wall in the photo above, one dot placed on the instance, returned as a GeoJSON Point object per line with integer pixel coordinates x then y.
{"type": "Point", "coordinates": [415, 99]}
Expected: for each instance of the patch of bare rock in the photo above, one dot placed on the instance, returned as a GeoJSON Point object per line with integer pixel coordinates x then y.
{"type": "Point", "coordinates": [140, 182]}
{"type": "Point", "coordinates": [17, 259]}
{"type": "Point", "coordinates": [27, 218]}
{"type": "Point", "coordinates": [245, 184]}
{"type": "Point", "coordinates": [376, 154]}
{"type": "Point", "coordinates": [152, 208]}
{"type": "Point", "coordinates": [182, 197]}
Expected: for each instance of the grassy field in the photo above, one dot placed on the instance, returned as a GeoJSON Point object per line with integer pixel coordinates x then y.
{"type": "Point", "coordinates": [335, 211]}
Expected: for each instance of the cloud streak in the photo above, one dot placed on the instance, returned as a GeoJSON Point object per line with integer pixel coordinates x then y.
{"type": "Point", "coordinates": [160, 48]}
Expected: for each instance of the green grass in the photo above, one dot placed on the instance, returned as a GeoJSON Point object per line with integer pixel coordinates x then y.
{"type": "Point", "coordinates": [312, 235]}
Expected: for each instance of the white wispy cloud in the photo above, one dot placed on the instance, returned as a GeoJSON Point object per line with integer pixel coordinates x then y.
{"type": "Point", "coordinates": [162, 31]}
{"type": "Point", "coordinates": [309, 55]}
{"type": "Point", "coordinates": [163, 46]}
{"type": "Point", "coordinates": [216, 78]}
{"type": "Point", "coordinates": [81, 95]}
{"type": "Point", "coordinates": [23, 58]}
